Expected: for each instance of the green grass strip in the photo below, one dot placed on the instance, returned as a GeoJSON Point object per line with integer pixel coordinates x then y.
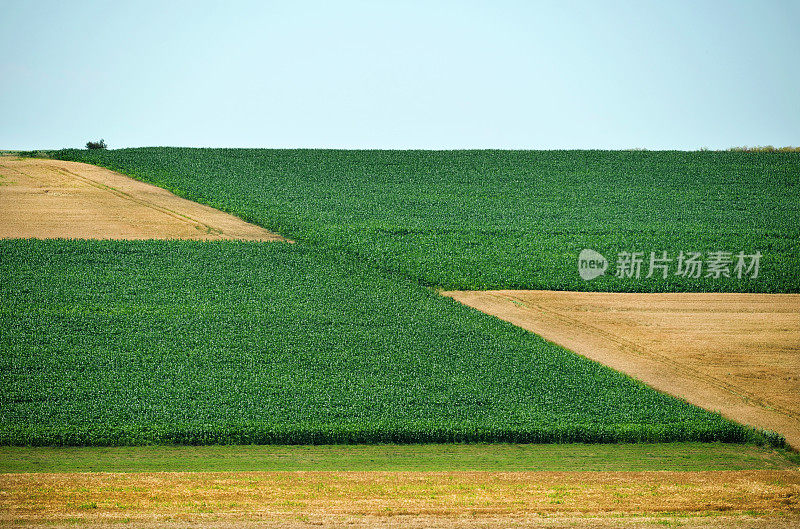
{"type": "Point", "coordinates": [430, 457]}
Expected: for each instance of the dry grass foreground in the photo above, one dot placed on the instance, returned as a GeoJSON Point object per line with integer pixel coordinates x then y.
{"type": "Point", "coordinates": [757, 498]}
{"type": "Point", "coordinates": [47, 199]}
{"type": "Point", "coordinates": [738, 354]}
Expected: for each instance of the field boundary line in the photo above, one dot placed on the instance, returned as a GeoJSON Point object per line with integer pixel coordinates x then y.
{"type": "Point", "coordinates": [122, 194]}
{"type": "Point", "coordinates": [634, 348]}
{"type": "Point", "coordinates": [579, 333]}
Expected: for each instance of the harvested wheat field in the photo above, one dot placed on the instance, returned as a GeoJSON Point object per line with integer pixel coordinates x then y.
{"type": "Point", "coordinates": [738, 354]}
{"type": "Point", "coordinates": [411, 499]}
{"type": "Point", "coordinates": [48, 199]}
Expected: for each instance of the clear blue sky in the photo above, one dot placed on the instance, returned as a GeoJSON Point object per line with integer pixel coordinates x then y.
{"type": "Point", "coordinates": [427, 74]}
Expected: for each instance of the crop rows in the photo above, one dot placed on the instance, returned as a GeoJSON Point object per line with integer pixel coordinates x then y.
{"type": "Point", "coordinates": [503, 219]}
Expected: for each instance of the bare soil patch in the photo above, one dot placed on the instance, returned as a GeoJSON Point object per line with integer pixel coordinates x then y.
{"type": "Point", "coordinates": [738, 354]}
{"type": "Point", "coordinates": [413, 499]}
{"type": "Point", "coordinates": [56, 199]}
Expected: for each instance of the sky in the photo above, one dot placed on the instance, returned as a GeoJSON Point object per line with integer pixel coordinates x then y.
{"type": "Point", "coordinates": [398, 75]}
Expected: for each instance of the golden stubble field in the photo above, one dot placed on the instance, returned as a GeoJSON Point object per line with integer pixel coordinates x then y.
{"type": "Point", "coordinates": [749, 498]}
{"type": "Point", "coordinates": [47, 199]}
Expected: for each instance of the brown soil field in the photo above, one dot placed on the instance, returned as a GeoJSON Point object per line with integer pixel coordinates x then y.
{"type": "Point", "coordinates": [738, 354]}
{"type": "Point", "coordinates": [758, 498]}
{"type": "Point", "coordinates": [47, 199]}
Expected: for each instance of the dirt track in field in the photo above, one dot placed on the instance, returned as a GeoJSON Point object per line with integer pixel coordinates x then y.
{"type": "Point", "coordinates": [738, 354]}
{"type": "Point", "coordinates": [47, 199]}
{"type": "Point", "coordinates": [757, 498]}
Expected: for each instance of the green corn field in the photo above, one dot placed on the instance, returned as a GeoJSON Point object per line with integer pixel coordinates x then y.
{"type": "Point", "coordinates": [503, 219]}
{"type": "Point", "coordinates": [140, 342]}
